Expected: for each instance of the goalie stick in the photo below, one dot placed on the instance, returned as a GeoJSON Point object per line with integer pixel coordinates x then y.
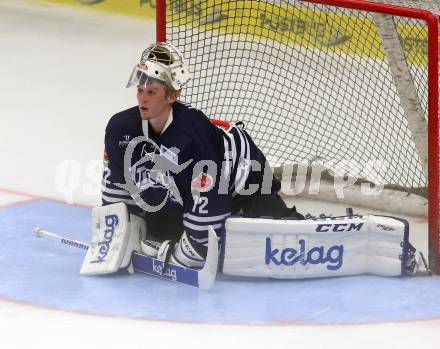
{"type": "Point", "coordinates": [202, 279]}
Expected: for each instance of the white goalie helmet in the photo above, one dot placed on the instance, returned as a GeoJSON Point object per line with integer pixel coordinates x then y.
{"type": "Point", "coordinates": [162, 62]}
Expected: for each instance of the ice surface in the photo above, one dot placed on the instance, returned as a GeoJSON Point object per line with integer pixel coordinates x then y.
{"type": "Point", "coordinates": [63, 73]}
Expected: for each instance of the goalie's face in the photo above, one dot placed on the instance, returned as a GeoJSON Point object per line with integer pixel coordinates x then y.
{"type": "Point", "coordinates": [155, 101]}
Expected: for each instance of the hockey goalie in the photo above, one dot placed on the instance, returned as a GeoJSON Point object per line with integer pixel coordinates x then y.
{"type": "Point", "coordinates": [171, 174]}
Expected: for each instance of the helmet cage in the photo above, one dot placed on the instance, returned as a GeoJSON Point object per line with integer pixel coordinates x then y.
{"type": "Point", "coordinates": [161, 62]}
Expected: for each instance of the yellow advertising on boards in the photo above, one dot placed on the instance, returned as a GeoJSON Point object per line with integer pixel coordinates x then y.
{"type": "Point", "coordinates": [259, 20]}
{"type": "Point", "coordinates": [280, 22]}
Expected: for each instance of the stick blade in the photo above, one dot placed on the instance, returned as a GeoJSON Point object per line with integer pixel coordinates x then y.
{"type": "Point", "coordinates": [208, 273]}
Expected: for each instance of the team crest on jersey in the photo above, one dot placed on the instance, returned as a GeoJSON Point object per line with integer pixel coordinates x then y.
{"type": "Point", "coordinates": [149, 150]}
{"type": "Point", "coordinates": [153, 174]}
{"type": "Point", "coordinates": [169, 154]}
{"type": "Point", "coordinates": [151, 171]}
{"type": "Point", "coordinates": [202, 183]}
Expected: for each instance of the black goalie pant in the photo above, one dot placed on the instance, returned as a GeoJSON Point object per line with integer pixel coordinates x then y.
{"type": "Point", "coordinates": [264, 205]}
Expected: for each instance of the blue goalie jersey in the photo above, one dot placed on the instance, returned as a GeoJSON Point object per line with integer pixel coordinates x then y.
{"type": "Point", "coordinates": [185, 178]}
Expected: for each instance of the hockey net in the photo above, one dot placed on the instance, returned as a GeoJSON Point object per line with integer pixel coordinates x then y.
{"type": "Point", "coordinates": [329, 89]}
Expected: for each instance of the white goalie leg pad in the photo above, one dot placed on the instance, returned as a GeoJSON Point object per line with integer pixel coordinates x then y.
{"type": "Point", "coordinates": [137, 233]}
{"type": "Point", "coordinates": [116, 234]}
{"type": "Point", "coordinates": [339, 246]}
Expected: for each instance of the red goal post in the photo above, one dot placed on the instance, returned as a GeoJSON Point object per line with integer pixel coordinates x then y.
{"type": "Point", "coordinates": [239, 35]}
